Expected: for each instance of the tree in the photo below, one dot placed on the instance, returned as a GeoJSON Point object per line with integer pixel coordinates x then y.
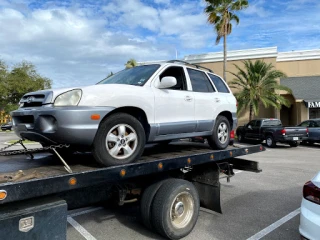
{"type": "Point", "coordinates": [14, 84]}
{"type": "Point", "coordinates": [131, 63]}
{"type": "Point", "coordinates": [257, 83]}
{"type": "Point", "coordinates": [221, 13]}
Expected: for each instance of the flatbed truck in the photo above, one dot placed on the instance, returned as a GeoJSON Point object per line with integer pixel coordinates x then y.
{"type": "Point", "coordinates": [170, 182]}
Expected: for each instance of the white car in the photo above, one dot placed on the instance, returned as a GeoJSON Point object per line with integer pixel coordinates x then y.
{"type": "Point", "coordinates": [310, 210]}
{"type": "Point", "coordinates": [118, 116]}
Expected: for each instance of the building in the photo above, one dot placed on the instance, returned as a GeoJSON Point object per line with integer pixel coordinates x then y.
{"type": "Point", "coordinates": [301, 67]}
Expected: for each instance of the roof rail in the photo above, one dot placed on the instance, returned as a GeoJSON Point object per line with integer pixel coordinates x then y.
{"type": "Point", "coordinates": [187, 63]}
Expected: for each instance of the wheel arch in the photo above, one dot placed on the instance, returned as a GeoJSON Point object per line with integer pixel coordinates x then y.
{"type": "Point", "coordinates": [136, 112]}
{"type": "Point", "coordinates": [228, 115]}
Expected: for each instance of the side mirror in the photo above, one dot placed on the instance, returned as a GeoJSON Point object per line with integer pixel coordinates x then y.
{"type": "Point", "coordinates": [167, 82]}
{"type": "Point", "coordinates": [249, 126]}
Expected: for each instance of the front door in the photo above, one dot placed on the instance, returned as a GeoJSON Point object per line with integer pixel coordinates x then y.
{"type": "Point", "coordinates": [174, 107]}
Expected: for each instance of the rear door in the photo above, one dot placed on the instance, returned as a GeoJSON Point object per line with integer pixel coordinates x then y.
{"type": "Point", "coordinates": [314, 130]}
{"type": "Point", "coordinates": [206, 101]}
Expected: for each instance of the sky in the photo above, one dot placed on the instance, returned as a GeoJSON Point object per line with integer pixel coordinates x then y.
{"type": "Point", "coordinates": [79, 42]}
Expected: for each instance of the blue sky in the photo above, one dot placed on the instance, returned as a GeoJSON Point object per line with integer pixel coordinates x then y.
{"type": "Point", "coordinates": [80, 42]}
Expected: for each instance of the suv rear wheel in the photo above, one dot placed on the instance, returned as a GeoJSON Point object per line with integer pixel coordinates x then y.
{"type": "Point", "coordinates": [221, 134]}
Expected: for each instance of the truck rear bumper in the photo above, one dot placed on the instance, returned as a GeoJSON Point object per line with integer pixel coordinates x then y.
{"type": "Point", "coordinates": [286, 139]}
{"type": "Point", "coordinates": [51, 125]}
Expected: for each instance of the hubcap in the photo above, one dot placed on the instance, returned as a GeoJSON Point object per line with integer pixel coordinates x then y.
{"type": "Point", "coordinates": [121, 141]}
{"type": "Point", "coordinates": [223, 133]}
{"type": "Point", "coordinates": [269, 141]}
{"type": "Point", "coordinates": [182, 210]}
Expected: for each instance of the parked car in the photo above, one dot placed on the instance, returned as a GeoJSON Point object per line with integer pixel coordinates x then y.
{"type": "Point", "coordinates": [313, 126]}
{"type": "Point", "coordinates": [272, 131]}
{"type": "Point", "coordinates": [310, 210]}
{"type": "Point", "coordinates": [6, 126]}
{"type": "Point", "coordinates": [116, 117]}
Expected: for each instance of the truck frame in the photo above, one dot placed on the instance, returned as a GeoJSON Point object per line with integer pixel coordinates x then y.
{"type": "Point", "coordinates": [35, 194]}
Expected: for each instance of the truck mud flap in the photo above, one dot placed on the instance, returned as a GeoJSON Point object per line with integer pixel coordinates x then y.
{"type": "Point", "coordinates": [206, 179]}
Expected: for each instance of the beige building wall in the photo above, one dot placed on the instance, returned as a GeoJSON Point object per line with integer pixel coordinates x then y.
{"type": "Point", "coordinates": [300, 68]}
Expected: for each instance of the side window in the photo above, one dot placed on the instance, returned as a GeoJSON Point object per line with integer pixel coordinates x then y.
{"type": "Point", "coordinates": [304, 124]}
{"type": "Point", "coordinates": [252, 123]}
{"type": "Point", "coordinates": [258, 123]}
{"type": "Point", "coordinates": [178, 73]}
{"type": "Point", "coordinates": [219, 83]}
{"type": "Point", "coordinates": [199, 81]}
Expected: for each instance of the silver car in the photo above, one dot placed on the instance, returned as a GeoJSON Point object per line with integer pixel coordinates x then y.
{"type": "Point", "coordinates": [314, 130]}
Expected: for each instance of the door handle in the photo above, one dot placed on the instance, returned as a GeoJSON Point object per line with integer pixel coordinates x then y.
{"type": "Point", "coordinates": [217, 99]}
{"type": "Point", "coordinates": [188, 98]}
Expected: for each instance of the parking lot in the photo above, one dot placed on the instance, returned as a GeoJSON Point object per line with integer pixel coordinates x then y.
{"type": "Point", "coordinates": [255, 205]}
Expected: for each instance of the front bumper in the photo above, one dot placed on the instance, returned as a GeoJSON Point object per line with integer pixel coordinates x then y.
{"type": "Point", "coordinates": [52, 125]}
{"type": "Point", "coordinates": [309, 220]}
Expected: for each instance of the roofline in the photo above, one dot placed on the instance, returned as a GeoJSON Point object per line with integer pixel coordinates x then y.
{"type": "Point", "coordinates": [270, 52]}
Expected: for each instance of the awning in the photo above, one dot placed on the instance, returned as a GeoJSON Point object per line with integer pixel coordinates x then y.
{"type": "Point", "coordinates": [305, 88]}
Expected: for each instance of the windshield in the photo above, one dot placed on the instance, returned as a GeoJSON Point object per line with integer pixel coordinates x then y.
{"type": "Point", "coordinates": [137, 76]}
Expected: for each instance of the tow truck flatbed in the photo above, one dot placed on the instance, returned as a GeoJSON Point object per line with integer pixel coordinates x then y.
{"type": "Point", "coordinates": [23, 178]}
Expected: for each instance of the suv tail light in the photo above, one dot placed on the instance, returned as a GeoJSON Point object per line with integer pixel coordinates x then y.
{"type": "Point", "coordinates": [232, 134]}
{"type": "Point", "coordinates": [283, 132]}
{"type": "Point", "coordinates": [311, 192]}
{"type": "Point", "coordinates": [307, 130]}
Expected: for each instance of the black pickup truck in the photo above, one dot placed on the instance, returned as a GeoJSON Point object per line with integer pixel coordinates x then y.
{"type": "Point", "coordinates": [272, 131]}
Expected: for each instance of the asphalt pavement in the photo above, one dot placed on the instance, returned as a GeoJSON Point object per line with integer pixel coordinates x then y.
{"type": "Point", "coordinates": [255, 205]}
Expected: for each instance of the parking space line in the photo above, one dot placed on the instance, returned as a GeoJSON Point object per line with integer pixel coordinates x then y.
{"type": "Point", "coordinates": [80, 229]}
{"type": "Point", "coordinates": [275, 225]}
{"type": "Point", "coordinates": [85, 211]}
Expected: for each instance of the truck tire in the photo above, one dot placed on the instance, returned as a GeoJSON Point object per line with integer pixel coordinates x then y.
{"type": "Point", "coordinates": [146, 202]}
{"type": "Point", "coordinates": [241, 138]}
{"type": "Point", "coordinates": [270, 141]}
{"type": "Point", "coordinates": [221, 134]}
{"type": "Point", "coordinates": [293, 144]}
{"type": "Point", "coordinates": [175, 209]}
{"type": "Point", "coordinates": [120, 140]}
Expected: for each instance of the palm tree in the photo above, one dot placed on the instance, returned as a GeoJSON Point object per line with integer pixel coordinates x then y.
{"type": "Point", "coordinates": [131, 63]}
{"type": "Point", "coordinates": [257, 83]}
{"type": "Point", "coordinates": [221, 13]}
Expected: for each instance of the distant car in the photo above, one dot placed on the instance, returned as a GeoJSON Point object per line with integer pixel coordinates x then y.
{"type": "Point", "coordinates": [6, 126]}
{"type": "Point", "coordinates": [310, 210]}
{"type": "Point", "coordinates": [314, 130]}
{"type": "Point", "coordinates": [271, 130]}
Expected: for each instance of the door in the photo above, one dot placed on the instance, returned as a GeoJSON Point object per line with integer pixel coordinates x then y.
{"type": "Point", "coordinates": [314, 130]}
{"type": "Point", "coordinates": [256, 129]}
{"type": "Point", "coordinates": [206, 100]}
{"type": "Point", "coordinates": [174, 107]}
{"type": "Point", "coordinates": [249, 132]}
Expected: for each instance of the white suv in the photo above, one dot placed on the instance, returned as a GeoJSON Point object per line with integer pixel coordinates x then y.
{"type": "Point", "coordinates": [118, 116]}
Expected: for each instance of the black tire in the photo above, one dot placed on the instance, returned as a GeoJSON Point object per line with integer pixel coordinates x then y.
{"type": "Point", "coordinates": [270, 141]}
{"type": "Point", "coordinates": [241, 138]}
{"type": "Point", "coordinates": [213, 140]}
{"type": "Point", "coordinates": [161, 208]}
{"type": "Point", "coordinates": [146, 202]}
{"type": "Point", "coordinates": [293, 144]}
{"type": "Point", "coordinates": [99, 149]}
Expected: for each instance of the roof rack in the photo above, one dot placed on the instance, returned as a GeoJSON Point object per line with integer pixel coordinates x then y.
{"type": "Point", "coordinates": [192, 64]}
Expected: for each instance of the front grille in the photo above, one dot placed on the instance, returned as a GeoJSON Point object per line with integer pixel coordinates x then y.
{"type": "Point", "coordinates": [32, 104]}
{"type": "Point", "coordinates": [32, 100]}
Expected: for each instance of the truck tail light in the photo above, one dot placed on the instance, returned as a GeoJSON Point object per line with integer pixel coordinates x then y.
{"type": "Point", "coordinates": [311, 192]}
{"type": "Point", "coordinates": [307, 130]}
{"type": "Point", "coordinates": [283, 132]}
{"type": "Point", "coordinates": [232, 134]}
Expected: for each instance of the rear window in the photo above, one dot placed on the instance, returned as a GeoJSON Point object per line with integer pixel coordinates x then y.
{"type": "Point", "coordinates": [271, 123]}
{"type": "Point", "coordinates": [219, 83]}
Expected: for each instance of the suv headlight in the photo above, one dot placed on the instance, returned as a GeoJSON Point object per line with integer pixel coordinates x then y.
{"type": "Point", "coordinates": [71, 98]}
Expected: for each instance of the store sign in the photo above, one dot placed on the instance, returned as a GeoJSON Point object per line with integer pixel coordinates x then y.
{"type": "Point", "coordinates": [313, 104]}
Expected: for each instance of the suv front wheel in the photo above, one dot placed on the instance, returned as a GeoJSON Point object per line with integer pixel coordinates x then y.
{"type": "Point", "coordinates": [221, 134]}
{"type": "Point", "coordinates": [120, 140]}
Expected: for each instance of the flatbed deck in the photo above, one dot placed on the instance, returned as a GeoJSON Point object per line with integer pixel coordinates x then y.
{"type": "Point", "coordinates": [19, 174]}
